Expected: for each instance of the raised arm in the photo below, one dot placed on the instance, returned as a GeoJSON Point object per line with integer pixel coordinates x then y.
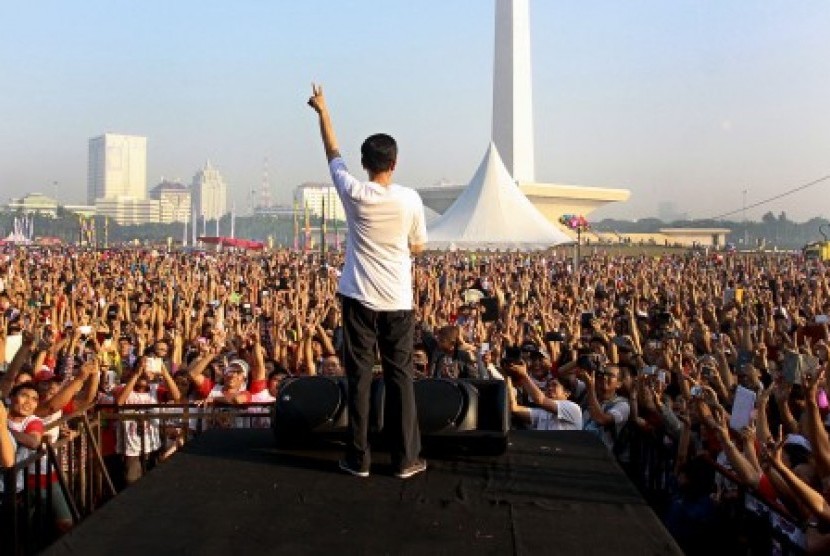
{"type": "Point", "coordinates": [198, 366]}
{"type": "Point", "coordinates": [519, 370]}
{"type": "Point", "coordinates": [740, 464]}
{"type": "Point", "coordinates": [69, 390]}
{"type": "Point", "coordinates": [518, 411]}
{"type": "Point", "coordinates": [318, 102]}
{"type": "Point", "coordinates": [172, 387]}
{"type": "Point", "coordinates": [125, 392]}
{"type": "Point", "coordinates": [328, 346]}
{"type": "Point", "coordinates": [17, 362]}
{"type": "Point", "coordinates": [814, 426]}
{"type": "Point", "coordinates": [813, 501]}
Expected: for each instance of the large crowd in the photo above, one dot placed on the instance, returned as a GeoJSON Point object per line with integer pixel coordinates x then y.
{"type": "Point", "coordinates": [719, 360]}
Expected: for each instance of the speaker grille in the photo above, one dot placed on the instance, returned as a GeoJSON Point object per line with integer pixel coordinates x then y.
{"type": "Point", "coordinates": [440, 405]}
{"type": "Point", "coordinates": [308, 403]}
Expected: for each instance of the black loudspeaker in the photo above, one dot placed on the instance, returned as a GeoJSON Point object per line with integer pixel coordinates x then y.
{"type": "Point", "coordinates": [463, 415]}
{"type": "Point", "coordinates": [445, 406]}
{"type": "Point", "coordinates": [470, 415]}
{"type": "Point", "coordinates": [493, 407]}
{"type": "Point", "coordinates": [309, 406]}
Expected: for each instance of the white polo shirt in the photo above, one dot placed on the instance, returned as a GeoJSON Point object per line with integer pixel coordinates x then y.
{"type": "Point", "coordinates": [383, 221]}
{"type": "Point", "coordinates": [568, 417]}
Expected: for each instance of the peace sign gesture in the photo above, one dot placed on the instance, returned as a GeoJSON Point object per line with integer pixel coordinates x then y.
{"type": "Point", "coordinates": [317, 101]}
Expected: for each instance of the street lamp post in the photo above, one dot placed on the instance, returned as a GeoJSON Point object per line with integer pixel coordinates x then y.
{"type": "Point", "coordinates": [746, 235]}
{"type": "Point", "coordinates": [579, 224]}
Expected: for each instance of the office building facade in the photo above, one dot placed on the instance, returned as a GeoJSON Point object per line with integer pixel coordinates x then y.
{"type": "Point", "coordinates": [117, 167]}
{"type": "Point", "coordinates": [315, 196]}
{"type": "Point", "coordinates": [174, 201]}
{"type": "Point", "coordinates": [209, 193]}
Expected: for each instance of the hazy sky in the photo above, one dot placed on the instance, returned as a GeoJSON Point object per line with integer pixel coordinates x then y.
{"type": "Point", "coordinates": [688, 101]}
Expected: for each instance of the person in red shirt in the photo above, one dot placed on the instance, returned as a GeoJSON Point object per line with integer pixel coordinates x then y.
{"type": "Point", "coordinates": [241, 379]}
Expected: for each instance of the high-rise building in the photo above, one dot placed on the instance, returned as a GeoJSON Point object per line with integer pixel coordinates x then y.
{"type": "Point", "coordinates": [209, 193]}
{"type": "Point", "coordinates": [315, 195]}
{"type": "Point", "coordinates": [174, 201]}
{"type": "Point", "coordinates": [117, 167]}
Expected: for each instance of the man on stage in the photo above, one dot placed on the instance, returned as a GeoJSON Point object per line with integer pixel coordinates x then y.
{"type": "Point", "coordinates": [386, 226]}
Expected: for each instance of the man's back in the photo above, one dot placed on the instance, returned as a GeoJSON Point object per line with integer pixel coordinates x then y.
{"type": "Point", "coordinates": [383, 221]}
{"type": "Point", "coordinates": [386, 223]}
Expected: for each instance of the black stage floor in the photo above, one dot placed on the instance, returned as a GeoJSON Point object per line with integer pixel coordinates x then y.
{"type": "Point", "coordinates": [233, 492]}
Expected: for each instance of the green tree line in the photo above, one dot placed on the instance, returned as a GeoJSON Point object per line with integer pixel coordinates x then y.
{"type": "Point", "coordinates": [770, 232]}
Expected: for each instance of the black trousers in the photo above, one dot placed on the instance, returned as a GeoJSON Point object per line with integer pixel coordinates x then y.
{"type": "Point", "coordinates": [391, 332]}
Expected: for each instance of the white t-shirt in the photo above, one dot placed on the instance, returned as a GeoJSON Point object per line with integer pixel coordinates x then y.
{"type": "Point", "coordinates": [129, 441]}
{"type": "Point", "coordinates": [261, 397]}
{"type": "Point", "coordinates": [568, 417]}
{"type": "Point", "coordinates": [383, 221]}
{"type": "Point", "coordinates": [22, 453]}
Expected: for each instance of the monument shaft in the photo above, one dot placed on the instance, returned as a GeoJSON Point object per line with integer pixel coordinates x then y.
{"type": "Point", "coordinates": [512, 90]}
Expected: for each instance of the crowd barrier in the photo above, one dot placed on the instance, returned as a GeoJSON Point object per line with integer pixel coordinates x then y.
{"type": "Point", "coordinates": [84, 475]}
{"type": "Point", "coordinates": [747, 524]}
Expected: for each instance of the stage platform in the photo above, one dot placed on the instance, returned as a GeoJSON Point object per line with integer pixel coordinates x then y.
{"type": "Point", "coordinates": [231, 492]}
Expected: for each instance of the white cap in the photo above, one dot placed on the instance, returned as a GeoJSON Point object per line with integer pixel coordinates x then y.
{"type": "Point", "coordinates": [798, 440]}
{"type": "Point", "coordinates": [241, 363]}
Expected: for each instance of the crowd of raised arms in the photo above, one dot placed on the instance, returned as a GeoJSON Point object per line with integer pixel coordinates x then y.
{"type": "Point", "coordinates": [719, 359]}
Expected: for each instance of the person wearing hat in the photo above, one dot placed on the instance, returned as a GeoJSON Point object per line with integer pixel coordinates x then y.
{"type": "Point", "coordinates": [239, 382]}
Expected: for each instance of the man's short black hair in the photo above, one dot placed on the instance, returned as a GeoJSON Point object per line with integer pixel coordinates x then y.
{"type": "Point", "coordinates": [379, 153]}
{"type": "Point", "coordinates": [28, 385]}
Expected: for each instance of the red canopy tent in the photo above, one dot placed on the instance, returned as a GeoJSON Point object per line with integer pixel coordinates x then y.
{"type": "Point", "coordinates": [232, 242]}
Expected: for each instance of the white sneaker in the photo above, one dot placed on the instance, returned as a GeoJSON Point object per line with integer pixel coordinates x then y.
{"type": "Point", "coordinates": [419, 466]}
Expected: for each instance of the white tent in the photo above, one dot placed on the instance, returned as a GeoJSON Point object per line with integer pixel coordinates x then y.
{"type": "Point", "coordinates": [492, 213]}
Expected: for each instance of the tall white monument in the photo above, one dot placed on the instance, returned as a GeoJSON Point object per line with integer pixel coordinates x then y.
{"type": "Point", "coordinates": [513, 127]}
{"type": "Point", "coordinates": [512, 89]}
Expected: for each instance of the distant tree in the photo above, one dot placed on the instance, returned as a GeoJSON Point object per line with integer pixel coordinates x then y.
{"type": "Point", "coordinates": [650, 224]}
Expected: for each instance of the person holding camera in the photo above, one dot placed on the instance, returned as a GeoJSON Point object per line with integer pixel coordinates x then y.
{"type": "Point", "coordinates": [553, 411]}
{"type": "Point", "coordinates": [140, 438]}
{"type": "Point", "coordinates": [605, 412]}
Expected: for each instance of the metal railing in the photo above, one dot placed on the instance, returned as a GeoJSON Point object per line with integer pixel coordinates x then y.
{"type": "Point", "coordinates": [86, 481]}
{"type": "Point", "coordinates": [76, 469]}
{"type": "Point", "coordinates": [754, 525]}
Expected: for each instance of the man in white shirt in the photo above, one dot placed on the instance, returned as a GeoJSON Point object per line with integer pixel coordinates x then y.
{"type": "Point", "coordinates": [386, 226]}
{"type": "Point", "coordinates": [553, 412]}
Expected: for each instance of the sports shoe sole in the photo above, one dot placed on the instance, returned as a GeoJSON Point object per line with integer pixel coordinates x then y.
{"type": "Point", "coordinates": [412, 470]}
{"type": "Point", "coordinates": [354, 472]}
